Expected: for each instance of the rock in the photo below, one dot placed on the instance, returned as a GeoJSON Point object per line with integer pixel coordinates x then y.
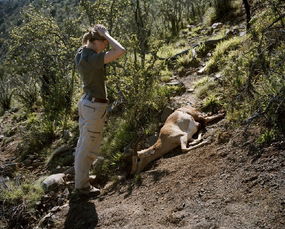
{"type": "Point", "coordinates": [201, 70]}
{"type": "Point", "coordinates": [8, 169]}
{"type": "Point", "coordinates": [217, 25]}
{"type": "Point", "coordinates": [210, 44]}
{"type": "Point", "coordinates": [14, 109]}
{"type": "Point", "coordinates": [190, 26]}
{"type": "Point", "coordinates": [67, 134]}
{"type": "Point", "coordinates": [241, 34]}
{"type": "Point", "coordinates": [60, 150]}
{"type": "Point", "coordinates": [232, 32]}
{"type": "Point", "coordinates": [53, 181]}
{"type": "Point", "coordinates": [92, 180]}
{"type": "Point", "coordinates": [218, 75]}
{"type": "Point", "coordinates": [165, 113]}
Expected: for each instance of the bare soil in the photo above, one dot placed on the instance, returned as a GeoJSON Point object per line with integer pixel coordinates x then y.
{"type": "Point", "coordinates": [221, 185]}
{"type": "Point", "coordinates": [230, 183]}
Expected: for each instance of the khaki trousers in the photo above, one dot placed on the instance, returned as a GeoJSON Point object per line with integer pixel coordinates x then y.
{"type": "Point", "coordinates": [92, 116]}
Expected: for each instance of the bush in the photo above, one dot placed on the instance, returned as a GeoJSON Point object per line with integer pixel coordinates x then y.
{"type": "Point", "coordinates": [140, 117]}
{"type": "Point", "coordinates": [29, 192]}
{"type": "Point", "coordinates": [38, 134]}
{"type": "Point", "coordinates": [6, 91]}
{"type": "Point", "coordinates": [27, 93]}
{"type": "Point", "coordinates": [220, 53]}
{"type": "Point", "coordinates": [210, 16]}
{"type": "Point", "coordinates": [253, 86]}
{"type": "Point", "coordinates": [212, 104]}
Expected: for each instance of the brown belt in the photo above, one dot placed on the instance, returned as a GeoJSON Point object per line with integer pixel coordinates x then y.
{"type": "Point", "coordinates": [93, 99]}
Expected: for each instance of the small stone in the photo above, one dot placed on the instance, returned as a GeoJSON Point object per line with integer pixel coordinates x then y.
{"type": "Point", "coordinates": [53, 181]}
{"type": "Point", "coordinates": [201, 70]}
{"type": "Point", "coordinates": [217, 25]}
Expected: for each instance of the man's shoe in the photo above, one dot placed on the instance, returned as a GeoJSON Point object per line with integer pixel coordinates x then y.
{"type": "Point", "coordinates": [90, 191]}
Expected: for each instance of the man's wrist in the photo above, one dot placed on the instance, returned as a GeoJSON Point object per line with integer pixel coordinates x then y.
{"type": "Point", "coordinates": [106, 34]}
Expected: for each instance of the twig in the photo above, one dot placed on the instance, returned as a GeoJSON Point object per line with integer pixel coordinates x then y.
{"type": "Point", "coordinates": [278, 19]}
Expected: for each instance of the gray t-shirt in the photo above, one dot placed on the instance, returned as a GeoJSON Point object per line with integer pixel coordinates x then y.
{"type": "Point", "coordinates": [90, 66]}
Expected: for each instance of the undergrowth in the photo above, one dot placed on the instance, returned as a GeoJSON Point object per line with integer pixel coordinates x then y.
{"type": "Point", "coordinates": [252, 88]}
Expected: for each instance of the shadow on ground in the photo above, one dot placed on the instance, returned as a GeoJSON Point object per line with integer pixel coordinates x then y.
{"type": "Point", "coordinates": [82, 214]}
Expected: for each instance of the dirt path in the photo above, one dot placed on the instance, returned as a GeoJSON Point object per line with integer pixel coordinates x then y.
{"type": "Point", "coordinates": [216, 186]}
{"type": "Point", "coordinates": [224, 184]}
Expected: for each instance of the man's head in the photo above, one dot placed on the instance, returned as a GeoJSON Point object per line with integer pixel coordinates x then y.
{"type": "Point", "coordinates": [94, 40]}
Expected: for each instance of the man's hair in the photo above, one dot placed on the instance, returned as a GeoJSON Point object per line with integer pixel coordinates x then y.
{"type": "Point", "coordinates": [91, 35]}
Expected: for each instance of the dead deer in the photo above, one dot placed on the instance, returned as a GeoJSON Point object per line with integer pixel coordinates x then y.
{"type": "Point", "coordinates": [178, 129]}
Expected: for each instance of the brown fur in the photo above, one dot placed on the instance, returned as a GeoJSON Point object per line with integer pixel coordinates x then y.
{"type": "Point", "coordinates": [178, 129]}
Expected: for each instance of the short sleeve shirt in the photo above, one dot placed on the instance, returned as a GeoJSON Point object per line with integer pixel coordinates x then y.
{"type": "Point", "coordinates": [90, 66]}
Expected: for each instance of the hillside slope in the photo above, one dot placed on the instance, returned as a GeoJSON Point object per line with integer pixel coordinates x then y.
{"type": "Point", "coordinates": [225, 184]}
{"type": "Point", "coordinates": [228, 183]}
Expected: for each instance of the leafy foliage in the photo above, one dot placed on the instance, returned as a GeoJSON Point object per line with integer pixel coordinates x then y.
{"type": "Point", "coordinates": [253, 86]}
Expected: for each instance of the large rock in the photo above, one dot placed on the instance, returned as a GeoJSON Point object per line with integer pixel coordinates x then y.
{"type": "Point", "coordinates": [53, 181]}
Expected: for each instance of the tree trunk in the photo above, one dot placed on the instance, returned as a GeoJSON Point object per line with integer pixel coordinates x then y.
{"type": "Point", "coordinates": [247, 10]}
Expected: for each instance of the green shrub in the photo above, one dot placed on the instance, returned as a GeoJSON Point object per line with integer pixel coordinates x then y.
{"type": "Point", "coordinates": [165, 75]}
{"type": "Point", "coordinates": [210, 16]}
{"type": "Point", "coordinates": [38, 134]}
{"type": "Point", "coordinates": [220, 54]}
{"type": "Point", "coordinates": [184, 60]}
{"type": "Point", "coordinates": [139, 119]}
{"type": "Point", "coordinates": [267, 137]}
{"type": "Point", "coordinates": [6, 90]}
{"type": "Point", "coordinates": [29, 192]}
{"type": "Point", "coordinates": [253, 86]}
{"type": "Point", "coordinates": [204, 87]}
{"type": "Point", "coordinates": [211, 104]}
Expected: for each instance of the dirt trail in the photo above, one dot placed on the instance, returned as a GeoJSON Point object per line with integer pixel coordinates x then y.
{"type": "Point", "coordinates": [224, 184]}
{"type": "Point", "coordinates": [216, 186]}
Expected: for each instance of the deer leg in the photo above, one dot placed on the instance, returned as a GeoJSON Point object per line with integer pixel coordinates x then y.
{"type": "Point", "coordinates": [193, 145]}
{"type": "Point", "coordinates": [198, 145]}
{"type": "Point", "coordinates": [183, 143]}
{"type": "Point", "coordinates": [196, 141]}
